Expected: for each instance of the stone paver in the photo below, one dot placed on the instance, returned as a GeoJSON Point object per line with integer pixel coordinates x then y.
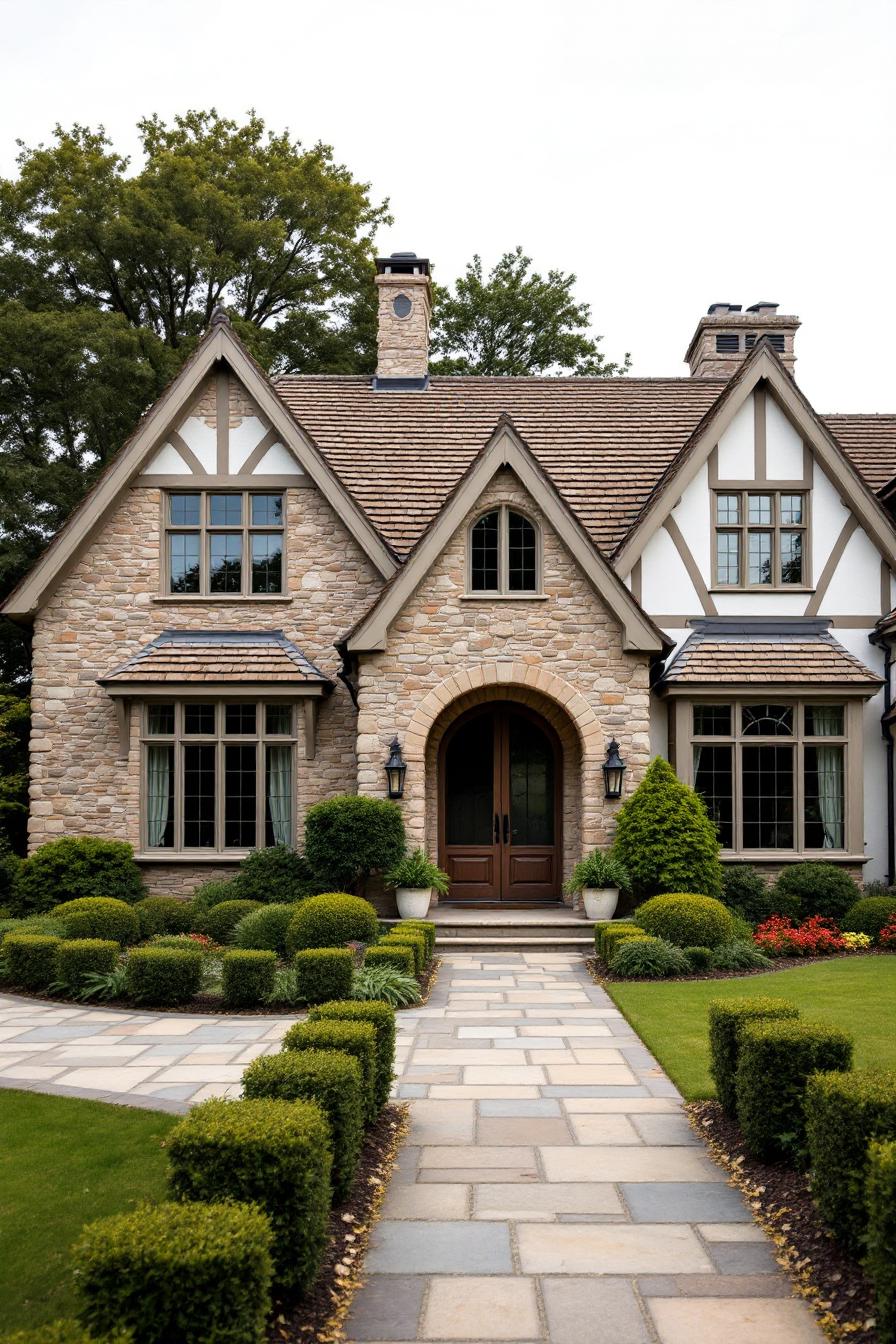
{"type": "Point", "coordinates": [550, 1188]}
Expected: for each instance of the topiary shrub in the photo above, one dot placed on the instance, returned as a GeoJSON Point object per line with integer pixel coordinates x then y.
{"type": "Point", "coordinates": [610, 938]}
{"type": "Point", "coordinates": [81, 957]}
{"type": "Point", "coordinates": [408, 938]}
{"type": "Point", "coordinates": [31, 960]}
{"type": "Point", "coordinates": [739, 955]}
{"type": "Point", "coordinates": [820, 888]}
{"type": "Point", "coordinates": [746, 893]}
{"type": "Point", "coordinates": [264, 929]}
{"type": "Point", "coordinates": [424, 926]}
{"type": "Point", "coordinates": [75, 866]}
{"type": "Point", "coordinates": [275, 1154]}
{"type": "Point", "coordinates": [352, 1038]}
{"type": "Point", "coordinates": [726, 1018]}
{"type": "Point", "coordinates": [163, 975]}
{"type": "Point", "coordinates": [686, 920]}
{"type": "Point", "coordinates": [381, 1017]}
{"type": "Point", "coordinates": [215, 892]}
{"type": "Point", "coordinates": [844, 1112]}
{"type": "Point", "coordinates": [275, 875]}
{"type": "Point", "coordinates": [348, 838]}
{"type": "Point", "coordinates": [333, 1081]}
{"type": "Point", "coordinates": [64, 1332]}
{"type": "Point", "coordinates": [391, 954]}
{"type": "Point", "coordinates": [99, 917]}
{"type": "Point", "coordinates": [247, 977]}
{"type": "Point", "coordinates": [774, 1064]}
{"type": "Point", "coordinates": [177, 1273]}
{"type": "Point", "coordinates": [869, 915]}
{"type": "Point", "coordinates": [322, 973]}
{"type": "Point", "coordinates": [220, 921]}
{"type": "Point", "coordinates": [331, 920]}
{"type": "Point", "coordinates": [699, 958]}
{"type": "Point", "coordinates": [163, 914]}
{"type": "Point", "coordinates": [664, 837]}
{"type": "Point", "coordinates": [647, 958]}
{"type": "Point", "coordinates": [880, 1260]}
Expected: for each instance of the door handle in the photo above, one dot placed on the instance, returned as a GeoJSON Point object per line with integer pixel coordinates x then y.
{"type": "Point", "coordinates": [497, 830]}
{"type": "Point", "coordinates": [506, 828]}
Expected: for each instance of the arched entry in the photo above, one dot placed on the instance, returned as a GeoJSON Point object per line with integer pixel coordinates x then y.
{"type": "Point", "coordinates": [500, 786]}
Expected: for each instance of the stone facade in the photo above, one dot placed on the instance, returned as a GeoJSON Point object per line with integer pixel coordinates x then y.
{"type": "Point", "coordinates": [403, 342]}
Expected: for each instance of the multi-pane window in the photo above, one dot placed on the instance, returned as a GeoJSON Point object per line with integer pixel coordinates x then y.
{"type": "Point", "coordinates": [503, 554]}
{"type": "Point", "coordinates": [227, 543]}
{"type": "Point", "coordinates": [218, 775]}
{"type": "Point", "coordinates": [760, 539]}
{"type": "Point", "coordinates": [772, 775]}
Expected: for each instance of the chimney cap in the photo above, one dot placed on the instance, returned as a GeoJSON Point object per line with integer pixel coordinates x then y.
{"type": "Point", "coordinates": [763, 306]}
{"type": "Point", "coordinates": [715, 309]}
{"type": "Point", "coordinates": [402, 263]}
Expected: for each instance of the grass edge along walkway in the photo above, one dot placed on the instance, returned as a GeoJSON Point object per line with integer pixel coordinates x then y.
{"type": "Point", "coordinates": [857, 994]}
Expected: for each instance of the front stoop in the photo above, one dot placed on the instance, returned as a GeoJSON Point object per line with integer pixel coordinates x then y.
{"type": "Point", "coordinates": [540, 929]}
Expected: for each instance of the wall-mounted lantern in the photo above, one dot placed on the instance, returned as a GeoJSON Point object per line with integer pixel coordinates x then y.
{"type": "Point", "coordinates": [395, 770]}
{"type": "Point", "coordinates": [613, 768]}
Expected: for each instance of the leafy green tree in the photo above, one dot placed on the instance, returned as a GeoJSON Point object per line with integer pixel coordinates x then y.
{"type": "Point", "coordinates": [515, 321]}
{"type": "Point", "coordinates": [15, 721]}
{"type": "Point", "coordinates": [665, 837]}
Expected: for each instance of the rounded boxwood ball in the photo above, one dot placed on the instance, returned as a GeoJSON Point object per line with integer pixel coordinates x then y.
{"type": "Point", "coordinates": [687, 920]}
{"type": "Point", "coordinates": [331, 920]}
{"type": "Point", "coordinates": [99, 917]}
{"type": "Point", "coordinates": [869, 915]}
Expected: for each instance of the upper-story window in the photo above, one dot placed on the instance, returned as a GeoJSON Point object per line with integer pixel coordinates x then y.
{"type": "Point", "coordinates": [224, 544]}
{"type": "Point", "coordinates": [761, 538]}
{"type": "Point", "coordinates": [504, 553]}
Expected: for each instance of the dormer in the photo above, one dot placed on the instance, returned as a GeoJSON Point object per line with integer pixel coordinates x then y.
{"type": "Point", "coordinates": [727, 334]}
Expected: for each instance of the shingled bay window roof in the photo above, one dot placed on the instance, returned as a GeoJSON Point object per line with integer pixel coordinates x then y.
{"type": "Point", "coordinates": [728, 652]}
{"type": "Point", "coordinates": [201, 657]}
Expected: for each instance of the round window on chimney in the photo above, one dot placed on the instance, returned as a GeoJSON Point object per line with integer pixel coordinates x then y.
{"type": "Point", "coordinates": [401, 305]}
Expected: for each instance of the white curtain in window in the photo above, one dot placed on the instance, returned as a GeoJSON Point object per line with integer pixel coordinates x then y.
{"type": "Point", "coordinates": [158, 794]}
{"type": "Point", "coordinates": [828, 722]}
{"type": "Point", "coordinates": [279, 784]}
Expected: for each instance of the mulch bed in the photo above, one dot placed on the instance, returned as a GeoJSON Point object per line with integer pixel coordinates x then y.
{"type": "Point", "coordinates": [832, 1282]}
{"type": "Point", "coordinates": [320, 1314]}
{"type": "Point", "coordinates": [601, 972]}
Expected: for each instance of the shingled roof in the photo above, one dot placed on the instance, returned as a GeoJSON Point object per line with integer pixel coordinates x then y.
{"type": "Point", "coordinates": [869, 441]}
{"type": "Point", "coordinates": [204, 656]}
{"type": "Point", "coordinates": [726, 652]}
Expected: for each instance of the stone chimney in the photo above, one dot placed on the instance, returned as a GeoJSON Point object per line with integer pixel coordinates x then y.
{"type": "Point", "coordinates": [404, 306]}
{"type": "Point", "coordinates": [726, 335]}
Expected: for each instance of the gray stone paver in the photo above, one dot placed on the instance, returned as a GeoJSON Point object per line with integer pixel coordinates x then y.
{"type": "Point", "coordinates": [539, 1117]}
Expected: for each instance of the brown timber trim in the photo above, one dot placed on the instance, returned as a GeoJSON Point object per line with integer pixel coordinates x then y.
{"type": "Point", "coordinates": [203, 482]}
{"type": "Point", "coordinates": [637, 580]}
{"type": "Point", "coordinates": [759, 433]}
{"type": "Point", "coordinates": [885, 586]}
{"type": "Point", "coordinates": [212, 690]}
{"type": "Point", "coordinates": [186, 452]}
{"type": "Point", "coordinates": [258, 452]}
{"type": "Point", "coordinates": [309, 711]}
{"type": "Point", "coordinates": [830, 567]}
{"type": "Point", "coordinates": [690, 564]}
{"type": "Point", "coordinates": [760, 690]}
{"type": "Point", "coordinates": [222, 420]}
{"type": "Point", "coordinates": [679, 622]}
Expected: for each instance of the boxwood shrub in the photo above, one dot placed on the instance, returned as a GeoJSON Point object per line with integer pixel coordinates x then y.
{"type": "Point", "coordinates": [263, 1151]}
{"type": "Point", "coordinates": [247, 977]}
{"type": "Point", "coordinates": [726, 1018]}
{"type": "Point", "coordinates": [322, 973]}
{"type": "Point", "coordinates": [163, 975]}
{"type": "Point", "coordinates": [264, 929]}
{"type": "Point", "coordinates": [80, 957]}
{"type": "Point", "coordinates": [381, 1016]}
{"type": "Point", "coordinates": [869, 915]}
{"type": "Point", "coordinates": [353, 1038]}
{"type": "Point", "coordinates": [75, 866]}
{"type": "Point", "coordinates": [214, 892]}
{"type": "Point", "coordinates": [648, 958]}
{"type": "Point", "coordinates": [774, 1064]}
{"type": "Point", "coordinates": [64, 1332]}
{"type": "Point", "coordinates": [819, 888]}
{"type": "Point", "coordinates": [844, 1112]}
{"type": "Point", "coordinates": [746, 892]}
{"type": "Point", "coordinates": [686, 919]}
{"type": "Point", "coordinates": [99, 917]}
{"type": "Point", "coordinates": [415, 941]}
{"type": "Point", "coordinates": [332, 1080]}
{"type": "Point", "coordinates": [177, 1273]}
{"type": "Point", "coordinates": [275, 875]}
{"type": "Point", "coordinates": [610, 937]}
{"type": "Point", "coordinates": [31, 959]}
{"type": "Point", "coordinates": [424, 926]}
{"type": "Point", "coordinates": [391, 954]}
{"type": "Point", "coordinates": [163, 914]}
{"type": "Point", "coordinates": [880, 1260]}
{"type": "Point", "coordinates": [220, 922]}
{"type": "Point", "coordinates": [699, 958]}
{"type": "Point", "coordinates": [331, 920]}
{"type": "Point", "coordinates": [350, 837]}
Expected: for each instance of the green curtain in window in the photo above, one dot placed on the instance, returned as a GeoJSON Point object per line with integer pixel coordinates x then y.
{"type": "Point", "coordinates": [158, 794]}
{"type": "Point", "coordinates": [828, 722]}
{"type": "Point", "coordinates": [279, 785]}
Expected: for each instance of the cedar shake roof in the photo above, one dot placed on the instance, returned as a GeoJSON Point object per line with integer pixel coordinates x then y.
{"type": "Point", "coordinates": [218, 656]}
{"type": "Point", "coordinates": [727, 652]}
{"type": "Point", "coordinates": [869, 441]}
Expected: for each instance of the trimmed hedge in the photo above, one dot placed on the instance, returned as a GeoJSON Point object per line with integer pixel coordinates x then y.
{"type": "Point", "coordinates": [699, 958]}
{"type": "Point", "coordinates": [880, 1260]}
{"type": "Point", "coordinates": [391, 954]}
{"type": "Point", "coordinates": [177, 1273]}
{"type": "Point", "coordinates": [381, 1016]}
{"type": "Point", "coordinates": [844, 1112]}
{"type": "Point", "coordinates": [611, 937]}
{"type": "Point", "coordinates": [74, 866]}
{"type": "Point", "coordinates": [80, 957]}
{"type": "Point", "coordinates": [220, 922]}
{"type": "Point", "coordinates": [247, 977]}
{"type": "Point", "coordinates": [276, 1154]}
{"type": "Point", "coordinates": [31, 959]}
{"type": "Point", "coordinates": [214, 892]}
{"type": "Point", "coordinates": [332, 1080]}
{"type": "Point", "coordinates": [869, 915]}
{"type": "Point", "coordinates": [264, 929]}
{"type": "Point", "coordinates": [776, 1059]}
{"type": "Point", "coordinates": [819, 888]}
{"type": "Point", "coordinates": [349, 837]}
{"type": "Point", "coordinates": [726, 1018]}
{"type": "Point", "coordinates": [99, 917]}
{"type": "Point", "coordinates": [163, 975]}
{"type": "Point", "coordinates": [276, 874]}
{"type": "Point", "coordinates": [352, 1038]}
{"type": "Point", "coordinates": [424, 926]}
{"type": "Point", "coordinates": [746, 893]}
{"type": "Point", "coordinates": [63, 1332]}
{"type": "Point", "coordinates": [331, 920]}
{"type": "Point", "coordinates": [686, 919]}
{"type": "Point", "coordinates": [163, 914]}
{"type": "Point", "coordinates": [415, 941]}
{"type": "Point", "coordinates": [323, 973]}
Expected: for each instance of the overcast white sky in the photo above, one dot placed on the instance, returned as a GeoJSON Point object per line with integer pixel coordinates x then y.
{"type": "Point", "coordinates": [670, 152]}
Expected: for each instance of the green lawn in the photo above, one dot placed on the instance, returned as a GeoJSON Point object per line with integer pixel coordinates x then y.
{"type": "Point", "coordinates": [64, 1162]}
{"type": "Point", "coordinates": [858, 995]}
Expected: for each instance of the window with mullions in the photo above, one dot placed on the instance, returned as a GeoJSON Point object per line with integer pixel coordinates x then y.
{"type": "Point", "coordinates": [503, 553]}
{"type": "Point", "coordinates": [227, 543]}
{"type": "Point", "coordinates": [218, 775]}
{"type": "Point", "coordinates": [772, 775]}
{"type": "Point", "coordinates": [760, 539]}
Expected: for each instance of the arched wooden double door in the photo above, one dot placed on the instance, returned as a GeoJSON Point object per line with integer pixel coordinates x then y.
{"type": "Point", "coordinates": [499, 806]}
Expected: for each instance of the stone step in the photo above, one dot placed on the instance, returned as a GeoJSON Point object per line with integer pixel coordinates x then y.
{"type": "Point", "coordinates": [472, 943]}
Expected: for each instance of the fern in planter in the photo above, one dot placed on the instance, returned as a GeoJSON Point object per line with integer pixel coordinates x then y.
{"type": "Point", "coordinates": [417, 871]}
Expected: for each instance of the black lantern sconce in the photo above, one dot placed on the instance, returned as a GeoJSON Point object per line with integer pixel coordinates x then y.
{"type": "Point", "coordinates": [395, 770]}
{"type": "Point", "coordinates": [613, 768]}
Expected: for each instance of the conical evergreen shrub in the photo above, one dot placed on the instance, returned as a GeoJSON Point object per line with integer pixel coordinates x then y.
{"type": "Point", "coordinates": [665, 837]}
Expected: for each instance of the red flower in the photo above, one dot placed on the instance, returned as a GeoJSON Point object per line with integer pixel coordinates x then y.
{"type": "Point", "coordinates": [815, 937]}
{"type": "Point", "coordinates": [887, 935]}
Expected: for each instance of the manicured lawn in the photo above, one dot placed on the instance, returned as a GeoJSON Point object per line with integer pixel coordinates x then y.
{"type": "Point", "coordinates": [64, 1162]}
{"type": "Point", "coordinates": [858, 995]}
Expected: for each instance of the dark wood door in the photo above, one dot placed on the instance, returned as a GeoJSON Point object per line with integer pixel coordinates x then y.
{"type": "Point", "coordinates": [499, 783]}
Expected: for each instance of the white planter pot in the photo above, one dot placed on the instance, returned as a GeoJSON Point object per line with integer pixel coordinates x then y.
{"type": "Point", "coordinates": [600, 902]}
{"type": "Point", "coordinates": [413, 902]}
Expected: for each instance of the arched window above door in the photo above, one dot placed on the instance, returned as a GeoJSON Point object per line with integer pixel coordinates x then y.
{"type": "Point", "coordinates": [504, 554]}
